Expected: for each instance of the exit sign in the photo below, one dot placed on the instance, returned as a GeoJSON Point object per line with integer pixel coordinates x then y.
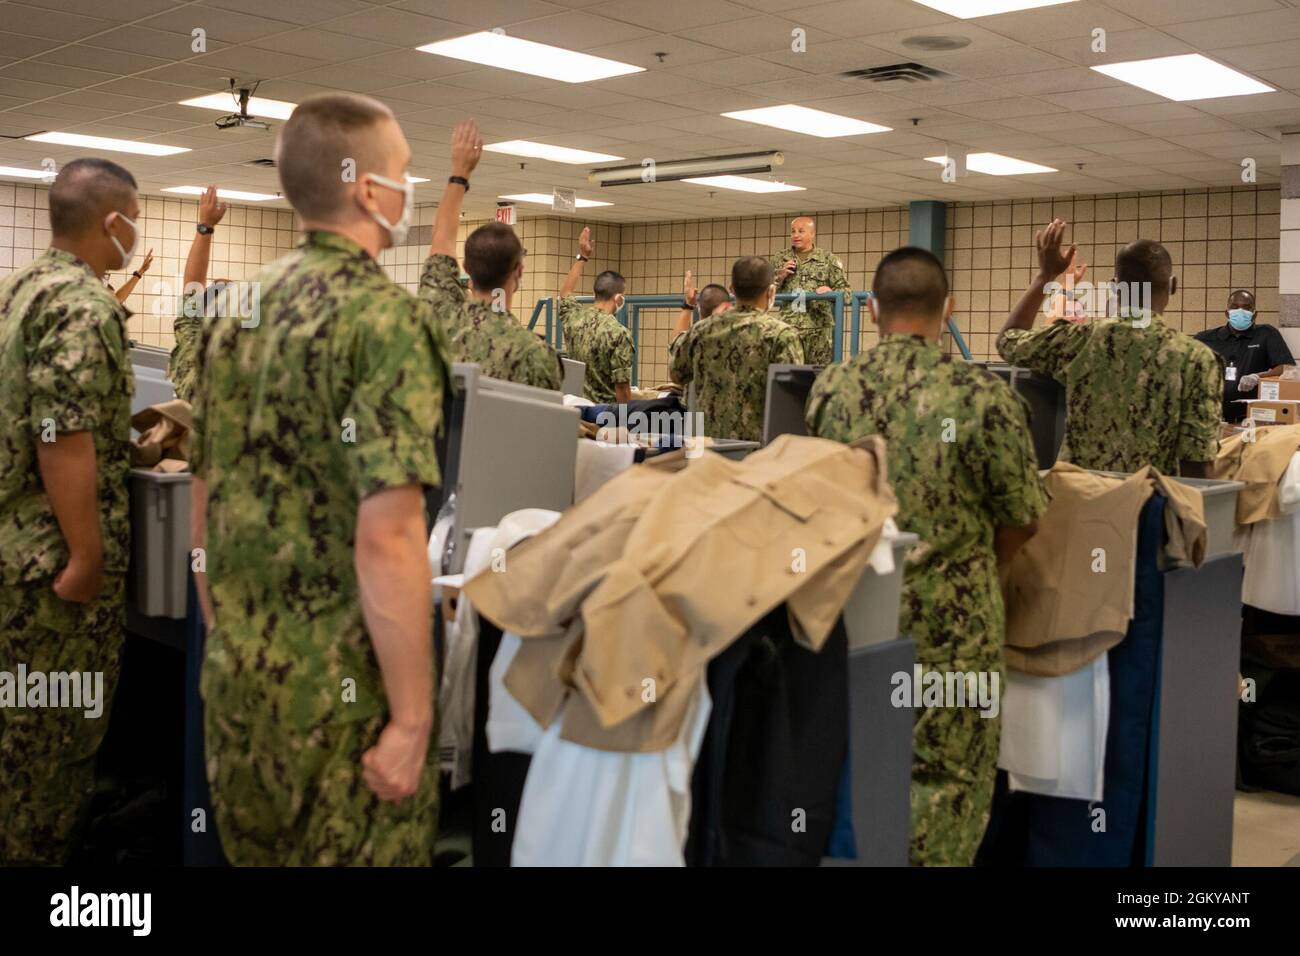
{"type": "Point", "coordinates": [506, 214]}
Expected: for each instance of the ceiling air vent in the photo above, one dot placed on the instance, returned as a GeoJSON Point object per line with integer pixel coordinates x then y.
{"type": "Point", "coordinates": [260, 163]}
{"type": "Point", "coordinates": [905, 72]}
{"type": "Point", "coordinates": [937, 44]}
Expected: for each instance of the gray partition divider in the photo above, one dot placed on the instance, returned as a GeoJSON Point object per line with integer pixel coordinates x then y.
{"type": "Point", "coordinates": [1195, 743]}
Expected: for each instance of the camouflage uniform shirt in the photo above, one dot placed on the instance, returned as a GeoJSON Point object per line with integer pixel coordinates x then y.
{"type": "Point", "coordinates": [1134, 395]}
{"type": "Point", "coordinates": [600, 340]}
{"type": "Point", "coordinates": [336, 394]}
{"type": "Point", "coordinates": [962, 464]}
{"type": "Point", "coordinates": [817, 267]}
{"type": "Point", "coordinates": [726, 357]}
{"type": "Point", "coordinates": [497, 341]}
{"type": "Point", "coordinates": [65, 366]}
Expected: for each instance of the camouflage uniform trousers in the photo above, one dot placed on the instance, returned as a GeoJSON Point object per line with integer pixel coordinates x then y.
{"type": "Point", "coordinates": [47, 754]}
{"type": "Point", "coordinates": [815, 339]}
{"type": "Point", "coordinates": [954, 766]}
{"type": "Point", "coordinates": [287, 798]}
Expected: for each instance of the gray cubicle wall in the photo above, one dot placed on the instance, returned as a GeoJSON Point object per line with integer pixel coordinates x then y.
{"type": "Point", "coordinates": [1046, 400]}
{"type": "Point", "coordinates": [509, 447]}
{"type": "Point", "coordinates": [787, 394]}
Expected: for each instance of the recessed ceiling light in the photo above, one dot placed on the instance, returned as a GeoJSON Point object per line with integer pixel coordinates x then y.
{"type": "Point", "coordinates": [801, 119]}
{"type": "Point", "coordinates": [968, 9]}
{"type": "Point", "coordinates": [103, 142]}
{"type": "Point", "coordinates": [1187, 77]}
{"type": "Point", "coordinates": [557, 154]}
{"type": "Point", "coordinates": [221, 193]}
{"type": "Point", "coordinates": [525, 56]}
{"type": "Point", "coordinates": [258, 106]}
{"type": "Point", "coordinates": [995, 164]}
{"type": "Point", "coordinates": [745, 184]}
{"type": "Point", "coordinates": [21, 173]}
{"type": "Point", "coordinates": [546, 199]}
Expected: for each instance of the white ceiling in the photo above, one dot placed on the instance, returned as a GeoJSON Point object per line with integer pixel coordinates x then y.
{"type": "Point", "coordinates": [1022, 87]}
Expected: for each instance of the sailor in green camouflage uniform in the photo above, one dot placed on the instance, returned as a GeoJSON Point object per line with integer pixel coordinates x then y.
{"type": "Point", "coordinates": [593, 335]}
{"type": "Point", "coordinates": [479, 323]}
{"type": "Point", "coordinates": [726, 356]}
{"type": "Point", "coordinates": [182, 367]}
{"type": "Point", "coordinates": [804, 266]}
{"type": "Point", "coordinates": [316, 424]}
{"type": "Point", "coordinates": [962, 465]}
{"type": "Point", "coordinates": [65, 412]}
{"type": "Point", "coordinates": [1137, 392]}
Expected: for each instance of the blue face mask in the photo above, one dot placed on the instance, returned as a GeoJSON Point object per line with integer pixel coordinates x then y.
{"type": "Point", "coordinates": [1241, 319]}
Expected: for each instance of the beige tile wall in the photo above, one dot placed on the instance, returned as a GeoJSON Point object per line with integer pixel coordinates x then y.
{"type": "Point", "coordinates": [248, 237]}
{"type": "Point", "coordinates": [1219, 239]}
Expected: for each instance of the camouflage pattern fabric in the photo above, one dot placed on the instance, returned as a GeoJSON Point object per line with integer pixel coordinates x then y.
{"type": "Point", "coordinates": [600, 340]}
{"type": "Point", "coordinates": [496, 341]}
{"type": "Point", "coordinates": [183, 363]}
{"type": "Point", "coordinates": [335, 395]}
{"type": "Point", "coordinates": [1135, 395]}
{"type": "Point", "coordinates": [962, 464]}
{"type": "Point", "coordinates": [726, 356]}
{"type": "Point", "coordinates": [816, 323]}
{"type": "Point", "coordinates": [47, 754]}
{"type": "Point", "coordinates": [64, 367]}
{"type": "Point", "coordinates": [311, 807]}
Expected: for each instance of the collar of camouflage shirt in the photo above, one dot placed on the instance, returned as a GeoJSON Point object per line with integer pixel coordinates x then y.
{"type": "Point", "coordinates": [323, 239]}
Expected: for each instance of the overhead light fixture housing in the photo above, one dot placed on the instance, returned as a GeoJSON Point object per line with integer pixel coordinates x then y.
{"type": "Point", "coordinates": [995, 164]}
{"type": "Point", "coordinates": [969, 9]}
{"type": "Point", "coordinates": [257, 105]}
{"type": "Point", "coordinates": [801, 119]}
{"type": "Point", "coordinates": [104, 142]}
{"type": "Point", "coordinates": [546, 199]}
{"type": "Point", "coordinates": [221, 193]}
{"type": "Point", "coordinates": [744, 184]}
{"type": "Point", "coordinates": [1190, 76]}
{"type": "Point", "coordinates": [675, 170]}
{"type": "Point", "coordinates": [556, 154]}
{"type": "Point", "coordinates": [526, 56]}
{"type": "Point", "coordinates": [20, 173]}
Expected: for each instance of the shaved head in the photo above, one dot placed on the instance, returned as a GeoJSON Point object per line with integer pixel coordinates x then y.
{"type": "Point", "coordinates": [330, 141]}
{"type": "Point", "coordinates": [1241, 299]}
{"type": "Point", "coordinates": [910, 282]}
{"type": "Point", "coordinates": [710, 297]}
{"type": "Point", "coordinates": [87, 190]}
{"type": "Point", "coordinates": [803, 233]}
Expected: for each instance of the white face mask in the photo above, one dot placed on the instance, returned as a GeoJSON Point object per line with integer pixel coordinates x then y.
{"type": "Point", "coordinates": [127, 254]}
{"type": "Point", "coordinates": [396, 230]}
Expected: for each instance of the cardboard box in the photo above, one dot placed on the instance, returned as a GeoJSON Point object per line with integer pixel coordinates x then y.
{"type": "Point", "coordinates": [1274, 413]}
{"type": "Point", "coordinates": [1278, 389]}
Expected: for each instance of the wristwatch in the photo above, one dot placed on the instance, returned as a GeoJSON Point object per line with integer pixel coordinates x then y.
{"type": "Point", "coordinates": [136, 273]}
{"type": "Point", "coordinates": [459, 179]}
{"type": "Point", "coordinates": [204, 229]}
{"type": "Point", "coordinates": [581, 258]}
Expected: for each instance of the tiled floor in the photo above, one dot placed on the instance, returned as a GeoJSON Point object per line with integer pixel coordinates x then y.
{"type": "Point", "coordinates": [1266, 830]}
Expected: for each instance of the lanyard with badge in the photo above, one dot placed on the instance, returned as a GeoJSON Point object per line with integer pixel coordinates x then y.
{"type": "Point", "coordinates": [1230, 373]}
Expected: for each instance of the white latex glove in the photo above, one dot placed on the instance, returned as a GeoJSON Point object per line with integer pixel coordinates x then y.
{"type": "Point", "coordinates": [1248, 383]}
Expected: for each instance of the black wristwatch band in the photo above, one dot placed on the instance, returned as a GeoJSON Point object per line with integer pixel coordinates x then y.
{"type": "Point", "coordinates": [459, 179]}
{"type": "Point", "coordinates": [137, 274]}
{"type": "Point", "coordinates": [204, 229]}
{"type": "Point", "coordinates": [687, 305]}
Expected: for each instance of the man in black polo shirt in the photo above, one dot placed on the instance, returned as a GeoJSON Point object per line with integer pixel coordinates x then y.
{"type": "Point", "coordinates": [1247, 350]}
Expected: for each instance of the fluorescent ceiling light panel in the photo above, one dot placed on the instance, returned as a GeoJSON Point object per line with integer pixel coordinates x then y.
{"type": "Point", "coordinates": [1187, 77]}
{"type": "Point", "coordinates": [258, 106]}
{"type": "Point", "coordinates": [525, 56]}
{"type": "Point", "coordinates": [969, 9]}
{"type": "Point", "coordinates": [745, 184]}
{"type": "Point", "coordinates": [24, 173]}
{"type": "Point", "coordinates": [556, 154]}
{"type": "Point", "coordinates": [545, 199]}
{"type": "Point", "coordinates": [221, 193]}
{"type": "Point", "coordinates": [995, 164]}
{"type": "Point", "coordinates": [415, 179]}
{"type": "Point", "coordinates": [112, 145]}
{"type": "Point", "coordinates": [801, 119]}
